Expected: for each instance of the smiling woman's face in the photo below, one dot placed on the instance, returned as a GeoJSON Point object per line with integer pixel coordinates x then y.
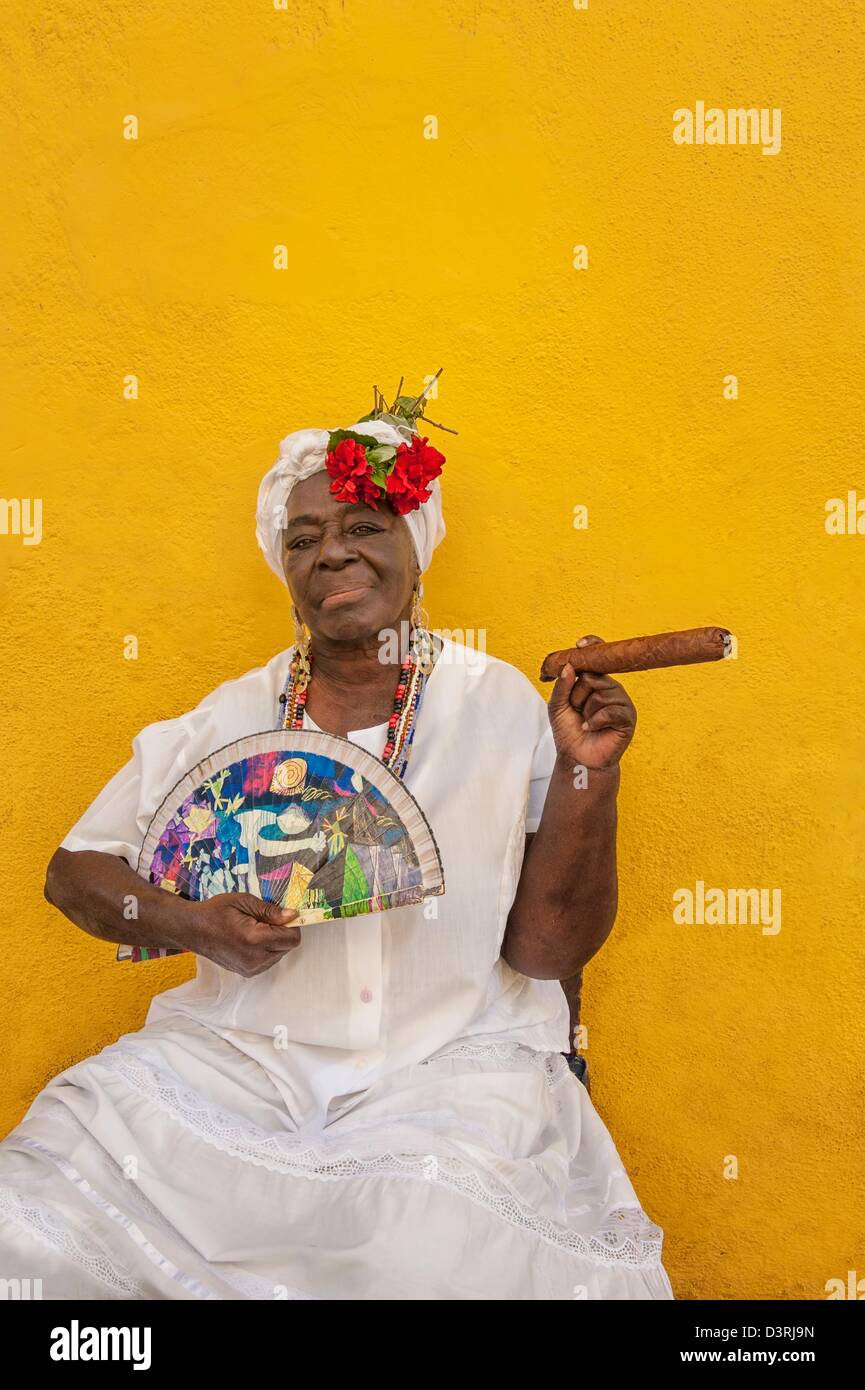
{"type": "Point", "coordinates": [350, 569]}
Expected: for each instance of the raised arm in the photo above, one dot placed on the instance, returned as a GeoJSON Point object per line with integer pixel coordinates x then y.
{"type": "Point", "coordinates": [101, 894]}
{"type": "Point", "coordinates": [566, 899]}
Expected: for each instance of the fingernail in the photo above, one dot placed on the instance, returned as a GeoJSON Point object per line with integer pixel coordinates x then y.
{"type": "Point", "coordinates": [582, 642]}
{"type": "Point", "coordinates": [584, 725]}
{"type": "Point", "coordinates": [567, 669]}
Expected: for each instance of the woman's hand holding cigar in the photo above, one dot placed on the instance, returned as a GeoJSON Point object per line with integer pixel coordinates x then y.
{"type": "Point", "coordinates": [592, 717]}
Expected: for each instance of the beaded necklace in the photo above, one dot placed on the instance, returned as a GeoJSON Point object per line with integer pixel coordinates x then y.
{"type": "Point", "coordinates": [414, 673]}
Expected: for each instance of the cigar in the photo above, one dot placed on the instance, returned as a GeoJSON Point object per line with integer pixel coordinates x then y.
{"type": "Point", "coordinates": [643, 653]}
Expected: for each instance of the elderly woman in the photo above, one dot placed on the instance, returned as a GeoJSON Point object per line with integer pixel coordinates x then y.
{"type": "Point", "coordinates": [371, 1107]}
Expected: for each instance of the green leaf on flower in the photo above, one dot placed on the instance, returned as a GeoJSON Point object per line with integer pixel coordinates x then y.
{"type": "Point", "coordinates": [382, 455]}
{"type": "Point", "coordinates": [337, 436]}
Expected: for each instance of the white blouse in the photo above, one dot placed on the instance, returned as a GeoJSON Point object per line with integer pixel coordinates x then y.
{"type": "Point", "coordinates": [366, 996]}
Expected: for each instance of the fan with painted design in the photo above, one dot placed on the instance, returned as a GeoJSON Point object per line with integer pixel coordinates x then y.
{"type": "Point", "coordinates": [297, 817]}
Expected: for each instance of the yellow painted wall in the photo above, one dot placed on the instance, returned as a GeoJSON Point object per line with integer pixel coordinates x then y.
{"type": "Point", "coordinates": [600, 387]}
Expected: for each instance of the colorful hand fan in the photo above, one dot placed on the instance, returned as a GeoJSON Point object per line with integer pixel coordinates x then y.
{"type": "Point", "coordinates": [298, 817]}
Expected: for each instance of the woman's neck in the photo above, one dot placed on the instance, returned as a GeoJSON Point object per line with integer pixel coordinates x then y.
{"type": "Point", "coordinates": [351, 686]}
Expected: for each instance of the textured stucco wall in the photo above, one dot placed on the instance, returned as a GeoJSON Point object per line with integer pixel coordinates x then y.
{"type": "Point", "coordinates": [601, 387]}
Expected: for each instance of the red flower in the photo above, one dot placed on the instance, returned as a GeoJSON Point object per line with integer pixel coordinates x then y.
{"type": "Point", "coordinates": [415, 466]}
{"type": "Point", "coordinates": [351, 472]}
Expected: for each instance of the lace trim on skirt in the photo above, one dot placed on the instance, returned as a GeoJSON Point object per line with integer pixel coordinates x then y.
{"type": "Point", "coordinates": [629, 1238]}
{"type": "Point", "coordinates": [48, 1227]}
{"type": "Point", "coordinates": [552, 1065]}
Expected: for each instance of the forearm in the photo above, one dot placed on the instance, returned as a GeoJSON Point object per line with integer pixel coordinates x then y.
{"type": "Point", "coordinates": [566, 899]}
{"type": "Point", "coordinates": [101, 894]}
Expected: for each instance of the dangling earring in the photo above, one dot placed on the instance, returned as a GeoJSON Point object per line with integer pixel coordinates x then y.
{"type": "Point", "coordinates": [301, 669]}
{"type": "Point", "coordinates": [419, 615]}
{"type": "Point", "coordinates": [421, 641]}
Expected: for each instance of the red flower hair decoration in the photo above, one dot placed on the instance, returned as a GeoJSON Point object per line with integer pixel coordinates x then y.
{"type": "Point", "coordinates": [362, 469]}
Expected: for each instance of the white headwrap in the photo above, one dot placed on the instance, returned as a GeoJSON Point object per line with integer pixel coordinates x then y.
{"type": "Point", "coordinates": [303, 453]}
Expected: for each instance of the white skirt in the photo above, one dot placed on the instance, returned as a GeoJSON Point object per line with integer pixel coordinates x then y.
{"type": "Point", "coordinates": [167, 1166]}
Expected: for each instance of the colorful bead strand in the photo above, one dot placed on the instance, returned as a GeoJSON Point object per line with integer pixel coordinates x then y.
{"type": "Point", "coordinates": [406, 704]}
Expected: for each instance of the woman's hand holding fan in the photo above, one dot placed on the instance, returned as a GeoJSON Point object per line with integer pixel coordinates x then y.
{"type": "Point", "coordinates": [241, 932]}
